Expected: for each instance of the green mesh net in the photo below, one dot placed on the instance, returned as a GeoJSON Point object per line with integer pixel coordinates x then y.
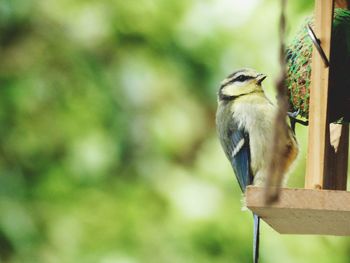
{"type": "Point", "coordinates": [298, 60]}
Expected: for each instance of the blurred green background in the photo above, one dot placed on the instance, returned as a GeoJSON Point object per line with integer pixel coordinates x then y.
{"type": "Point", "coordinates": [108, 149]}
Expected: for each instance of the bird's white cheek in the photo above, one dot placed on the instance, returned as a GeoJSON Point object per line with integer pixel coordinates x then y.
{"type": "Point", "coordinates": [229, 91]}
{"type": "Point", "coordinates": [237, 89]}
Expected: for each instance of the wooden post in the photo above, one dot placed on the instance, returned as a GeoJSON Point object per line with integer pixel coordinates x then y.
{"type": "Point", "coordinates": [339, 140]}
{"type": "Point", "coordinates": [338, 157]}
{"type": "Point", "coordinates": [328, 143]}
{"type": "Point", "coordinates": [316, 169]}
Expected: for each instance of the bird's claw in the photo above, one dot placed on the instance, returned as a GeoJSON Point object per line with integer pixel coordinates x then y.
{"type": "Point", "coordinates": [293, 114]}
{"type": "Point", "coordinates": [293, 119]}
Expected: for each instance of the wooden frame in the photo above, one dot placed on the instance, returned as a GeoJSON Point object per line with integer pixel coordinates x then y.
{"type": "Point", "coordinates": [326, 167]}
{"type": "Point", "coordinates": [304, 211]}
{"type": "Point", "coordinates": [314, 210]}
{"type": "Point", "coordinates": [317, 165]}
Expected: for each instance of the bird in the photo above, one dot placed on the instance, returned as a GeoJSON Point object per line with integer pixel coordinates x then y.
{"type": "Point", "coordinates": [244, 123]}
{"type": "Point", "coordinates": [298, 70]}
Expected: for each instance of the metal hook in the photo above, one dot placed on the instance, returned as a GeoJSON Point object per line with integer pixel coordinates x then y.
{"type": "Point", "coordinates": [317, 42]}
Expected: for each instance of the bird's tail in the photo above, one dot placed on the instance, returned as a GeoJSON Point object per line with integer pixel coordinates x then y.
{"type": "Point", "coordinates": [256, 238]}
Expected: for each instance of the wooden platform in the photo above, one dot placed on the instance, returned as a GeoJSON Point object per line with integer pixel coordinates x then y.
{"type": "Point", "coordinates": [304, 211]}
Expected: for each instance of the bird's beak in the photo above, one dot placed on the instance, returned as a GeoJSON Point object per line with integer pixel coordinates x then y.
{"type": "Point", "coordinates": [260, 78]}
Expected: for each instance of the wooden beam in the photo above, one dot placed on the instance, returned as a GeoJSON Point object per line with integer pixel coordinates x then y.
{"type": "Point", "coordinates": [338, 157]}
{"type": "Point", "coordinates": [304, 211]}
{"type": "Point", "coordinates": [317, 165]}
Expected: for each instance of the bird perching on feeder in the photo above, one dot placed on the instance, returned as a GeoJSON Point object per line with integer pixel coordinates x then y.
{"type": "Point", "coordinates": [318, 91]}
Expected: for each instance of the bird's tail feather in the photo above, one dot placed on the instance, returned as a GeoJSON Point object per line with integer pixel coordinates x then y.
{"type": "Point", "coordinates": [256, 238]}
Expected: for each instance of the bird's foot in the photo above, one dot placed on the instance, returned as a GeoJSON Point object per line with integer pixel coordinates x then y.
{"type": "Point", "coordinates": [293, 119]}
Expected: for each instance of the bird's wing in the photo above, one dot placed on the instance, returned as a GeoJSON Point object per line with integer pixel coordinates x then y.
{"type": "Point", "coordinates": [239, 152]}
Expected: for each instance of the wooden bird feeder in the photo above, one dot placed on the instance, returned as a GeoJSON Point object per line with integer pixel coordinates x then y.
{"type": "Point", "coordinates": [323, 206]}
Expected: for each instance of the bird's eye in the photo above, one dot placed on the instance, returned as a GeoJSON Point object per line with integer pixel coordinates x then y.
{"type": "Point", "coordinates": [242, 78]}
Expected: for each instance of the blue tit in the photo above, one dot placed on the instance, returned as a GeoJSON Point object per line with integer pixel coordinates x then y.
{"type": "Point", "coordinates": [244, 121]}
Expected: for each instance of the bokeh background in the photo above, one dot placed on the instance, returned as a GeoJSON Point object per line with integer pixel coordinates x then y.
{"type": "Point", "coordinates": [108, 151]}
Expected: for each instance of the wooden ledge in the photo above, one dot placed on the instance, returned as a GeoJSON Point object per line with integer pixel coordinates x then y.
{"type": "Point", "coordinates": [304, 211]}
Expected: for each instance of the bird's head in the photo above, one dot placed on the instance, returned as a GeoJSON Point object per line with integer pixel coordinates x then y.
{"type": "Point", "coordinates": [241, 82]}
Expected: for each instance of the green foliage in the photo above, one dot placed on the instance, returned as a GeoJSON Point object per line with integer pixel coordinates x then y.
{"type": "Point", "coordinates": [108, 151]}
